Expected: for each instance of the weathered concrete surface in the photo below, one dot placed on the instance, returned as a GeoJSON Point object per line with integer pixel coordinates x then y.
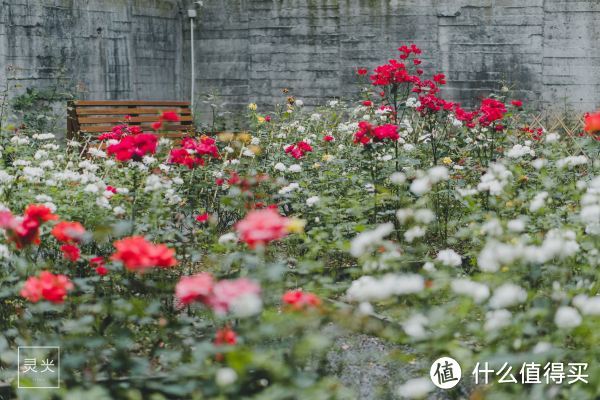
{"type": "Point", "coordinates": [546, 49]}
{"type": "Point", "coordinates": [248, 50]}
{"type": "Point", "coordinates": [99, 49]}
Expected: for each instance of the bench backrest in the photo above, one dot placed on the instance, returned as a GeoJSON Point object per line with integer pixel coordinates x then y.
{"type": "Point", "coordinates": [91, 118]}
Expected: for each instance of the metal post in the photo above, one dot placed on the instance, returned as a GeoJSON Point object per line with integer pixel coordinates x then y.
{"type": "Point", "coordinates": [192, 15]}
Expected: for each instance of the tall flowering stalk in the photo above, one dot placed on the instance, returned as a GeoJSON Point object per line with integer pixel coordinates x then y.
{"type": "Point", "coordinates": [193, 153]}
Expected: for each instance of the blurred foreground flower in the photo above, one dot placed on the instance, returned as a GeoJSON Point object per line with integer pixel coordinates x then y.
{"type": "Point", "coordinates": [592, 122]}
{"type": "Point", "coordinates": [261, 227]}
{"type": "Point", "coordinates": [299, 300]}
{"type": "Point", "coordinates": [51, 287]}
{"type": "Point", "coordinates": [137, 254]}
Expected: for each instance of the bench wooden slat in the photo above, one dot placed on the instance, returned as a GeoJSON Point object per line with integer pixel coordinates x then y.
{"type": "Point", "coordinates": [91, 117]}
{"type": "Point", "coordinates": [129, 111]}
{"type": "Point", "coordinates": [145, 127]}
{"type": "Point", "coordinates": [161, 103]}
{"type": "Point", "coordinates": [117, 119]}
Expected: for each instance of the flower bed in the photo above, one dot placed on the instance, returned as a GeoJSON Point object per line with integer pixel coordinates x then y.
{"type": "Point", "coordinates": [212, 266]}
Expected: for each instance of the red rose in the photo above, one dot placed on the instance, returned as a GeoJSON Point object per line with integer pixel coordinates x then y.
{"type": "Point", "coordinates": [70, 252]}
{"type": "Point", "coordinates": [134, 147]}
{"type": "Point", "coordinates": [139, 255]}
{"type": "Point", "coordinates": [299, 300]}
{"type": "Point", "coordinates": [261, 227]}
{"type": "Point", "coordinates": [25, 231]}
{"type": "Point", "coordinates": [51, 287]}
{"type": "Point", "coordinates": [203, 217]}
{"type": "Point", "coordinates": [98, 264]}
{"type": "Point", "coordinates": [193, 153]}
{"type": "Point", "coordinates": [299, 149]}
{"type": "Point", "coordinates": [170, 116]}
{"type": "Point", "coordinates": [194, 288]}
{"type": "Point", "coordinates": [440, 78]}
{"type": "Point", "coordinates": [225, 336]}
{"type": "Point", "coordinates": [68, 232]}
{"type": "Point", "coordinates": [592, 122]}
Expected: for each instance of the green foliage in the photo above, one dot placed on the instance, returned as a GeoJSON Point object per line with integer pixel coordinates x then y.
{"type": "Point", "coordinates": [474, 192]}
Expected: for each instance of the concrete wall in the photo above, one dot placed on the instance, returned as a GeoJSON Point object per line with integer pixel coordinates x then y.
{"type": "Point", "coordinates": [545, 49]}
{"type": "Point", "coordinates": [102, 49]}
{"type": "Point", "coordinates": [248, 50]}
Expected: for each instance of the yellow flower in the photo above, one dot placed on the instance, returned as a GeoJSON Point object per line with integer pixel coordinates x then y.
{"type": "Point", "coordinates": [244, 137]}
{"type": "Point", "coordinates": [260, 119]}
{"type": "Point", "coordinates": [255, 149]}
{"type": "Point", "coordinates": [296, 225]}
{"type": "Point", "coordinates": [327, 157]}
{"type": "Point", "coordinates": [509, 204]}
{"type": "Point", "coordinates": [226, 136]}
{"type": "Point", "coordinates": [317, 165]}
{"type": "Point", "coordinates": [447, 160]}
{"type": "Point", "coordinates": [252, 106]}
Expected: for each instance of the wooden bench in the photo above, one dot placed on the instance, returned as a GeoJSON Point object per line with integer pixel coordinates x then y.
{"type": "Point", "coordinates": [87, 118]}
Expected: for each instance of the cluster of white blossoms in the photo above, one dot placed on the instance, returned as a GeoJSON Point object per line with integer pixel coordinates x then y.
{"type": "Point", "coordinates": [465, 287]}
{"type": "Point", "coordinates": [497, 319]}
{"type": "Point", "coordinates": [311, 201]}
{"type": "Point", "coordinates": [416, 388]}
{"type": "Point", "coordinates": [449, 258]}
{"type": "Point", "coordinates": [587, 305]}
{"type": "Point", "coordinates": [96, 152]}
{"type": "Point", "coordinates": [33, 174]}
{"type": "Point", "coordinates": [571, 161]}
{"type": "Point", "coordinates": [538, 201]}
{"type": "Point", "coordinates": [295, 168]}
{"type": "Point", "coordinates": [368, 288]}
{"type": "Point", "coordinates": [590, 207]}
{"type": "Point", "coordinates": [44, 136]}
{"type": "Point", "coordinates": [495, 179]}
{"type": "Point", "coordinates": [382, 262]}
{"type": "Point", "coordinates": [19, 140]}
{"type": "Point", "coordinates": [246, 306]}
{"type": "Point", "coordinates": [398, 178]}
{"type": "Point", "coordinates": [289, 188]}
{"type": "Point", "coordinates": [412, 102]}
{"type": "Point", "coordinates": [413, 233]}
{"type": "Point", "coordinates": [422, 215]}
{"type": "Point", "coordinates": [567, 317]}
{"type": "Point", "coordinates": [557, 244]}
{"type": "Point", "coordinates": [155, 183]}
{"type": "Point", "coordinates": [162, 183]}
{"type": "Point", "coordinates": [552, 137]}
{"type": "Point", "coordinates": [507, 295]}
{"type": "Point", "coordinates": [518, 151]}
{"type": "Point", "coordinates": [367, 240]}
{"type": "Point", "coordinates": [425, 181]}
{"type": "Point", "coordinates": [347, 128]}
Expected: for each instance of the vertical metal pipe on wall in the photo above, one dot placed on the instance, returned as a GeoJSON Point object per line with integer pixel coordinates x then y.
{"type": "Point", "coordinates": [192, 15]}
